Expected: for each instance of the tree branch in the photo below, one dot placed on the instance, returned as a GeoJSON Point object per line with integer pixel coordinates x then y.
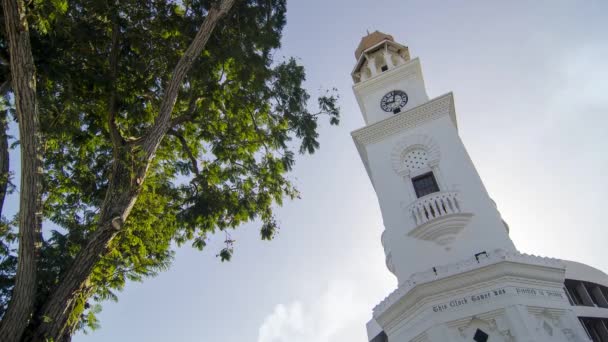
{"type": "Point", "coordinates": [185, 117]}
{"type": "Point", "coordinates": [163, 120]}
{"type": "Point", "coordinates": [258, 131]}
{"type": "Point", "coordinates": [117, 139]}
{"type": "Point", "coordinates": [135, 141]}
{"type": "Point", "coordinates": [180, 120]}
{"type": "Point", "coordinates": [187, 149]}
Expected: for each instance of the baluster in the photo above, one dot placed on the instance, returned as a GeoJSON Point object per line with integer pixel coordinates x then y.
{"type": "Point", "coordinates": [422, 212]}
{"type": "Point", "coordinates": [418, 214]}
{"type": "Point", "coordinates": [434, 206]}
{"type": "Point", "coordinates": [428, 212]}
{"type": "Point", "coordinates": [444, 205]}
{"type": "Point", "coordinates": [448, 204]}
{"type": "Point", "coordinates": [436, 209]}
{"type": "Point", "coordinates": [439, 203]}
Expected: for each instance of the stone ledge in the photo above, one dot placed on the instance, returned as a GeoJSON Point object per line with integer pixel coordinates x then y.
{"type": "Point", "coordinates": [434, 109]}
{"type": "Point", "coordinates": [445, 271]}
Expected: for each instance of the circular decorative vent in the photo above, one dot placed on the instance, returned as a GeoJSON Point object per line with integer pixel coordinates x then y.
{"type": "Point", "coordinates": [414, 153]}
{"type": "Point", "coordinates": [416, 159]}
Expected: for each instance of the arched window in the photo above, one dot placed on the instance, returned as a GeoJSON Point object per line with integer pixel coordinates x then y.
{"type": "Point", "coordinates": [416, 158]}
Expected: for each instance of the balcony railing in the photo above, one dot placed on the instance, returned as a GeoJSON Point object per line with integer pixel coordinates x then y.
{"type": "Point", "coordinates": [435, 205]}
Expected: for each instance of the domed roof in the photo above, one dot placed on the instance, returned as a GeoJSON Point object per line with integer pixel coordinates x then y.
{"type": "Point", "coordinates": [371, 40]}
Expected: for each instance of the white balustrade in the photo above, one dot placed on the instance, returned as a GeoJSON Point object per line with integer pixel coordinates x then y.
{"type": "Point", "coordinates": [434, 205]}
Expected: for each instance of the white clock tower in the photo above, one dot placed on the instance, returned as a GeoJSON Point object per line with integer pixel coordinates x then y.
{"type": "Point", "coordinates": [460, 277]}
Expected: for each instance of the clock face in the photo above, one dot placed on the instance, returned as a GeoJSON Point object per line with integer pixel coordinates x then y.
{"type": "Point", "coordinates": [393, 101]}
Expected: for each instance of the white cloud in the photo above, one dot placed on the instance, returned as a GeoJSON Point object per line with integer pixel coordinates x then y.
{"type": "Point", "coordinates": [323, 320]}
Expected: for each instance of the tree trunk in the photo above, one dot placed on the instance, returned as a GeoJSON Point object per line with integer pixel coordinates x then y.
{"type": "Point", "coordinates": [21, 306]}
{"type": "Point", "coordinates": [120, 198]}
{"type": "Point", "coordinates": [129, 169]}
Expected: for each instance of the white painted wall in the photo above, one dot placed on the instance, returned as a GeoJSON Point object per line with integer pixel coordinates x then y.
{"type": "Point", "coordinates": [406, 77]}
{"type": "Point", "coordinates": [485, 231]}
{"type": "Point", "coordinates": [455, 172]}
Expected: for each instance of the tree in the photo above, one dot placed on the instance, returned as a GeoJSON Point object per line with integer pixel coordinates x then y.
{"type": "Point", "coordinates": [141, 124]}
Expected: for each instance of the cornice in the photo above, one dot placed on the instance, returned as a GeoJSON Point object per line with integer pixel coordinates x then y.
{"type": "Point", "coordinates": [469, 272]}
{"type": "Point", "coordinates": [431, 110]}
{"type": "Point", "coordinates": [413, 311]}
{"type": "Point", "coordinates": [590, 311]}
{"type": "Point", "coordinates": [402, 71]}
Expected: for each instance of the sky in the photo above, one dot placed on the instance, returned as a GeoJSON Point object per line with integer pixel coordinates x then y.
{"type": "Point", "coordinates": [529, 80]}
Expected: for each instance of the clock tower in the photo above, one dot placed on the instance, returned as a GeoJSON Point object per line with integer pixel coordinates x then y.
{"type": "Point", "coordinates": [460, 277]}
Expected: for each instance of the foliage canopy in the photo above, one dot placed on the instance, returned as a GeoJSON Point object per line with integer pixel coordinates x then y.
{"type": "Point", "coordinates": [103, 70]}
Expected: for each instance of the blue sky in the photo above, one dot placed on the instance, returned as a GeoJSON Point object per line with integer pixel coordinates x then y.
{"type": "Point", "coordinates": [529, 79]}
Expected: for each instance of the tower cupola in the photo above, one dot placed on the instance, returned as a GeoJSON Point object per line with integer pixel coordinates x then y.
{"type": "Point", "coordinates": [377, 52]}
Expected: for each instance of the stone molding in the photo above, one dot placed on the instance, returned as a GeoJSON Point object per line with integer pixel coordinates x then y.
{"type": "Point", "coordinates": [466, 321]}
{"type": "Point", "coordinates": [442, 272]}
{"type": "Point", "coordinates": [591, 311]}
{"type": "Point", "coordinates": [402, 71]}
{"type": "Point", "coordinates": [413, 311]}
{"type": "Point", "coordinates": [434, 109]}
{"type": "Point", "coordinates": [442, 230]}
{"type": "Point", "coordinates": [494, 325]}
{"type": "Point", "coordinates": [550, 321]}
{"type": "Point", "coordinates": [421, 338]}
